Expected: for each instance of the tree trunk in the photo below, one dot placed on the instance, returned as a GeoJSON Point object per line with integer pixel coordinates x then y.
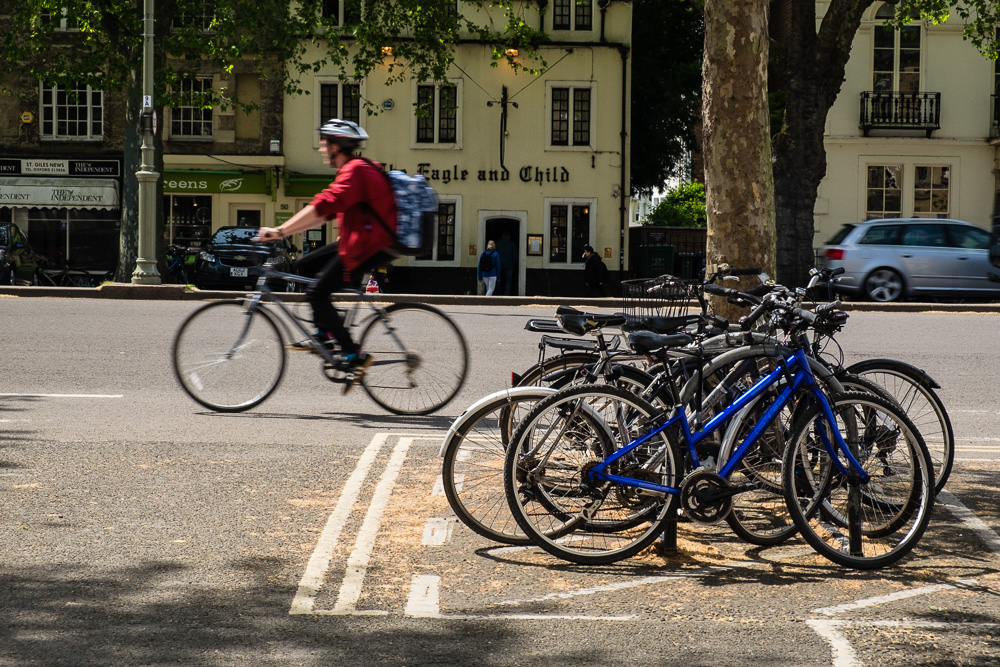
{"type": "Point", "coordinates": [814, 73]}
{"type": "Point", "coordinates": [737, 150]}
{"type": "Point", "coordinates": [128, 240]}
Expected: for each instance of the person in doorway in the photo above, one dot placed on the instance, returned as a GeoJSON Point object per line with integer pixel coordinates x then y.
{"type": "Point", "coordinates": [507, 250]}
{"type": "Point", "coordinates": [594, 272]}
{"type": "Point", "coordinates": [363, 203]}
{"type": "Point", "coordinates": [489, 267]}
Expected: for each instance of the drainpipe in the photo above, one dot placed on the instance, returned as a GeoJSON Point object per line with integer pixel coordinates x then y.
{"type": "Point", "coordinates": [542, 4]}
{"type": "Point", "coordinates": [623, 184]}
{"type": "Point", "coordinates": [603, 4]}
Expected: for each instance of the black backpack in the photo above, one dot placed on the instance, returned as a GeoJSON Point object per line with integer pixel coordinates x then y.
{"type": "Point", "coordinates": [486, 262]}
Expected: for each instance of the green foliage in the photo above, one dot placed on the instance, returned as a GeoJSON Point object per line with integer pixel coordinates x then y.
{"type": "Point", "coordinates": [683, 206]}
{"type": "Point", "coordinates": [667, 42]}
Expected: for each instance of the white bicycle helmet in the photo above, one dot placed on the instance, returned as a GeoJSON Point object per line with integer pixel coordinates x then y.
{"type": "Point", "coordinates": [347, 134]}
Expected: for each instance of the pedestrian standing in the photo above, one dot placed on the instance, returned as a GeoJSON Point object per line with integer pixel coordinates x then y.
{"type": "Point", "coordinates": [489, 267]}
{"type": "Point", "coordinates": [595, 274]}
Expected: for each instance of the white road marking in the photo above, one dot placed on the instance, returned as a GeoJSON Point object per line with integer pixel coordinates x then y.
{"type": "Point", "coordinates": [891, 597]}
{"type": "Point", "coordinates": [357, 563]}
{"type": "Point", "coordinates": [437, 532]}
{"type": "Point", "coordinates": [438, 489]}
{"type": "Point", "coordinates": [423, 600]}
{"type": "Point", "coordinates": [843, 654]}
{"type": "Point", "coordinates": [971, 521]}
{"type": "Point", "coordinates": [319, 563]}
{"type": "Point", "coordinates": [64, 395]}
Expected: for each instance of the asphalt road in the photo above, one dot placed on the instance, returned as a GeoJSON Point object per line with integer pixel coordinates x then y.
{"type": "Point", "coordinates": [139, 529]}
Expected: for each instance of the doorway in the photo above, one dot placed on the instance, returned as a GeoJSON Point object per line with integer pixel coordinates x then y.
{"type": "Point", "coordinates": [506, 233]}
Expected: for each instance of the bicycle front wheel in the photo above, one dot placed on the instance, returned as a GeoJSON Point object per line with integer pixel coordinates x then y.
{"type": "Point", "coordinates": [421, 359]}
{"type": "Point", "coordinates": [859, 523]}
{"type": "Point", "coordinates": [229, 359]}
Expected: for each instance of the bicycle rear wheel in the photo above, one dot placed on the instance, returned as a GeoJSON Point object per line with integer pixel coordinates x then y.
{"type": "Point", "coordinates": [472, 471]}
{"type": "Point", "coordinates": [228, 359]}
{"type": "Point", "coordinates": [860, 524]}
{"type": "Point", "coordinates": [421, 359]}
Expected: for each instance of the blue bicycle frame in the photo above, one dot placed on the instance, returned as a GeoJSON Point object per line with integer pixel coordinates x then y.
{"type": "Point", "coordinates": [798, 364]}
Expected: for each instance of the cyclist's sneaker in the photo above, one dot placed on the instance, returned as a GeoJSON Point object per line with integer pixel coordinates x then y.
{"type": "Point", "coordinates": [356, 365]}
{"type": "Point", "coordinates": [306, 345]}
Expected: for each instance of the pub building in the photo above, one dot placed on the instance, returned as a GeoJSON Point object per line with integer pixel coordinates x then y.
{"type": "Point", "coordinates": [68, 208]}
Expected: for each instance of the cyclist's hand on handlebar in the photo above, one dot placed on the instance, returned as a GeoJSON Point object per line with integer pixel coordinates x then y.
{"type": "Point", "coordinates": [267, 235]}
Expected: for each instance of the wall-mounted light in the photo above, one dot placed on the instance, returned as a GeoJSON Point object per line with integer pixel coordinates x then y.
{"type": "Point", "coordinates": [511, 53]}
{"type": "Point", "coordinates": [386, 50]}
{"type": "Point", "coordinates": [275, 146]}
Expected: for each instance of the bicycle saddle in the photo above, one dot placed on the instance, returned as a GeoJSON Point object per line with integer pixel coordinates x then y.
{"type": "Point", "coordinates": [647, 342]}
{"type": "Point", "coordinates": [584, 323]}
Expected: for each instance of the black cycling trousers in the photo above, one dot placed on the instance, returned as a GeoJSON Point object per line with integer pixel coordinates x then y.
{"type": "Point", "coordinates": [328, 267]}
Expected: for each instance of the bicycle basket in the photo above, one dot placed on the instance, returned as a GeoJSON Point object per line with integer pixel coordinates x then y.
{"type": "Point", "coordinates": [666, 296]}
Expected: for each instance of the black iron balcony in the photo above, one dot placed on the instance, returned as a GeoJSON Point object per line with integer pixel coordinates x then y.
{"type": "Point", "coordinates": [900, 111]}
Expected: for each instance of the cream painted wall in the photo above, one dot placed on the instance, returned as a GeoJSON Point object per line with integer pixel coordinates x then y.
{"type": "Point", "coordinates": [964, 77]}
{"type": "Point", "coordinates": [538, 173]}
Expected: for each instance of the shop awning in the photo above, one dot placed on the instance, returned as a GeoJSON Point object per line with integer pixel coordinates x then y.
{"type": "Point", "coordinates": [29, 192]}
{"type": "Point", "coordinates": [305, 185]}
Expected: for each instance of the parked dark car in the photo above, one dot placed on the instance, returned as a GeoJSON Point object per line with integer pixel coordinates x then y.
{"type": "Point", "coordinates": [18, 262]}
{"type": "Point", "coordinates": [892, 259]}
{"type": "Point", "coordinates": [229, 260]}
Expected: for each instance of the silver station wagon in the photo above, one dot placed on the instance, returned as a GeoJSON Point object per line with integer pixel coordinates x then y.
{"type": "Point", "coordinates": [900, 258]}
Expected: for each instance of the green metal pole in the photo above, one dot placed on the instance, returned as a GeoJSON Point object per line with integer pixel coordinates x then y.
{"type": "Point", "coordinates": [145, 265]}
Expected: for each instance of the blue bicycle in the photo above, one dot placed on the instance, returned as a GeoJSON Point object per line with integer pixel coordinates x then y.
{"type": "Point", "coordinates": [595, 471]}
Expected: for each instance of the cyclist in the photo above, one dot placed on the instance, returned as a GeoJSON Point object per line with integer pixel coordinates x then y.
{"type": "Point", "coordinates": [361, 199]}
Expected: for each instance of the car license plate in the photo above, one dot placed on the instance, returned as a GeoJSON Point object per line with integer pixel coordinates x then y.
{"type": "Point", "coordinates": [238, 272]}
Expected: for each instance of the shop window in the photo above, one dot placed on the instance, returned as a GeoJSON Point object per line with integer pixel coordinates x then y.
{"type": "Point", "coordinates": [86, 239]}
{"type": "Point", "coordinates": [71, 112]}
{"type": "Point", "coordinates": [573, 15]}
{"type": "Point", "coordinates": [571, 116]}
{"type": "Point", "coordinates": [188, 219]}
{"type": "Point", "coordinates": [569, 231]}
{"type": "Point", "coordinates": [437, 114]}
{"type": "Point", "coordinates": [931, 192]}
{"type": "Point", "coordinates": [884, 192]}
{"type": "Point", "coordinates": [194, 121]}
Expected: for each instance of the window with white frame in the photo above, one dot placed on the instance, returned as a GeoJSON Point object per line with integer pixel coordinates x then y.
{"type": "Point", "coordinates": [573, 15]}
{"type": "Point", "coordinates": [896, 58]}
{"type": "Point", "coordinates": [339, 100]}
{"type": "Point", "coordinates": [571, 115]}
{"type": "Point", "coordinates": [931, 191]}
{"type": "Point", "coordinates": [198, 14]}
{"type": "Point", "coordinates": [73, 111]}
{"type": "Point", "coordinates": [194, 121]}
{"type": "Point", "coordinates": [341, 12]}
{"type": "Point", "coordinates": [445, 232]}
{"type": "Point", "coordinates": [437, 113]}
{"type": "Point", "coordinates": [569, 230]}
{"type": "Point", "coordinates": [60, 19]}
{"type": "Point", "coordinates": [884, 191]}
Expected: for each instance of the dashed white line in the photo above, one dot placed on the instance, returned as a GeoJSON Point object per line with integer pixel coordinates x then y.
{"type": "Point", "coordinates": [64, 395]}
{"type": "Point", "coordinates": [424, 595]}
{"type": "Point", "coordinates": [437, 532]}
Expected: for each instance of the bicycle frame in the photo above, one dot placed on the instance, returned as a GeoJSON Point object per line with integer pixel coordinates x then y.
{"type": "Point", "coordinates": [802, 377]}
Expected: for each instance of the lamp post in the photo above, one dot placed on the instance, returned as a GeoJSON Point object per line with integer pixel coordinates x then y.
{"type": "Point", "coordinates": [145, 266]}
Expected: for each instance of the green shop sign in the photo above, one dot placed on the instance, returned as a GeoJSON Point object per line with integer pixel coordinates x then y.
{"type": "Point", "coordinates": [216, 182]}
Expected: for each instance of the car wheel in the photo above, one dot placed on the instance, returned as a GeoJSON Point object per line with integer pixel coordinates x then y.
{"type": "Point", "coordinates": [884, 285]}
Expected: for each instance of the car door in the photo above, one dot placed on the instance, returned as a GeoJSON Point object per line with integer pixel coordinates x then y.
{"type": "Point", "coordinates": [929, 262]}
{"type": "Point", "coordinates": [971, 254]}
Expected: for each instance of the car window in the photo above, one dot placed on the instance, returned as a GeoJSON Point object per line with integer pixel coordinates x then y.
{"type": "Point", "coordinates": [961, 236]}
{"type": "Point", "coordinates": [242, 235]}
{"type": "Point", "coordinates": [925, 235]}
{"type": "Point", "coordinates": [840, 235]}
{"type": "Point", "coordinates": [882, 235]}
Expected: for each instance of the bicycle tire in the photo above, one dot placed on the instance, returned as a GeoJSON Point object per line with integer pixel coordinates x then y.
{"type": "Point", "coordinates": [883, 518]}
{"type": "Point", "coordinates": [549, 496]}
{"type": "Point", "coordinates": [227, 359]}
{"type": "Point", "coordinates": [472, 470]}
{"type": "Point", "coordinates": [913, 390]}
{"type": "Point", "coordinates": [421, 359]}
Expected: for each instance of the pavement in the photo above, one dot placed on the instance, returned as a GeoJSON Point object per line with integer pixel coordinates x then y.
{"type": "Point", "coordinates": [183, 293]}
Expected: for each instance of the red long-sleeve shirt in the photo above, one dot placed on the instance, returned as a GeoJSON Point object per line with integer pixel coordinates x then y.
{"type": "Point", "coordinates": [357, 183]}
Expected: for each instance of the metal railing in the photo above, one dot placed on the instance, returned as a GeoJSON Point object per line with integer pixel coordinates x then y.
{"type": "Point", "coordinates": [900, 111]}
